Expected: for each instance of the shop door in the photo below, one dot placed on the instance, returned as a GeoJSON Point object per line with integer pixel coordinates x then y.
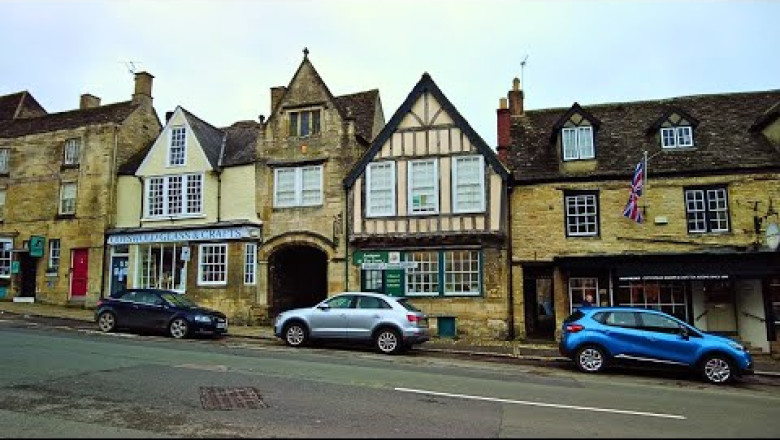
{"type": "Point", "coordinates": [752, 316]}
{"type": "Point", "coordinates": [118, 273]}
{"type": "Point", "coordinates": [27, 267]}
{"type": "Point", "coordinates": [721, 313]}
{"type": "Point", "coordinates": [539, 312]}
{"type": "Point", "coordinates": [79, 272]}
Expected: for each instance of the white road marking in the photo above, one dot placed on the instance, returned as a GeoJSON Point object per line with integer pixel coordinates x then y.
{"type": "Point", "coordinates": [548, 405]}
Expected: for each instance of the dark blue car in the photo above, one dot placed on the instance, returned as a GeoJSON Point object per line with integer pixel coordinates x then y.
{"type": "Point", "coordinates": [158, 310]}
{"type": "Point", "coordinates": [595, 337]}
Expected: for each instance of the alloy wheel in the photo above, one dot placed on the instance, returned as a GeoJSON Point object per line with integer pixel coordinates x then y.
{"type": "Point", "coordinates": [387, 341]}
{"type": "Point", "coordinates": [591, 360]}
{"type": "Point", "coordinates": [295, 335]}
{"type": "Point", "coordinates": [107, 322]}
{"type": "Point", "coordinates": [717, 370]}
{"type": "Point", "coordinates": [179, 328]}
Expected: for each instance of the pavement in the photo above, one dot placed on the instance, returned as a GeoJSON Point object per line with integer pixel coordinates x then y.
{"type": "Point", "coordinates": [542, 352]}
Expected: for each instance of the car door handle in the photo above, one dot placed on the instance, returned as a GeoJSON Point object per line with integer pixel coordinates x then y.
{"type": "Point", "coordinates": [650, 338]}
{"type": "Point", "coordinates": [376, 316]}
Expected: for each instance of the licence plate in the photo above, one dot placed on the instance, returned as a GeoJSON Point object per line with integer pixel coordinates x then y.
{"type": "Point", "coordinates": [221, 324]}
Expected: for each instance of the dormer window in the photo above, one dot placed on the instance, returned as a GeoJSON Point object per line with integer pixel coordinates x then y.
{"type": "Point", "coordinates": [178, 147]}
{"type": "Point", "coordinates": [304, 123]}
{"type": "Point", "coordinates": [677, 137]}
{"type": "Point", "coordinates": [577, 143]}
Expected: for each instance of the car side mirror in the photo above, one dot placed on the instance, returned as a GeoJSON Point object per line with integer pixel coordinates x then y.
{"type": "Point", "coordinates": [323, 307]}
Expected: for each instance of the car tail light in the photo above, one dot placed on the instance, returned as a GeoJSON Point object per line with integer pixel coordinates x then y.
{"type": "Point", "coordinates": [414, 319]}
{"type": "Point", "coordinates": [574, 328]}
{"type": "Point", "coordinates": [99, 303]}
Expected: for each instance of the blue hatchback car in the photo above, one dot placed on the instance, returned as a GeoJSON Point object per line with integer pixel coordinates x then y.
{"type": "Point", "coordinates": [595, 337]}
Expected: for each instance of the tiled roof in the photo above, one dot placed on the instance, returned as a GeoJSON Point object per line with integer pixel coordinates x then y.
{"type": "Point", "coordinates": [19, 105]}
{"type": "Point", "coordinates": [104, 114]}
{"type": "Point", "coordinates": [723, 140]}
{"type": "Point", "coordinates": [362, 107]}
{"type": "Point", "coordinates": [241, 145]}
{"type": "Point", "coordinates": [129, 167]}
{"type": "Point", "coordinates": [209, 137]}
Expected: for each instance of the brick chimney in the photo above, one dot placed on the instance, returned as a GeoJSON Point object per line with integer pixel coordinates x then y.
{"type": "Point", "coordinates": [503, 125]}
{"type": "Point", "coordinates": [88, 101]}
{"type": "Point", "coordinates": [515, 98]}
{"type": "Point", "coordinates": [143, 90]}
{"type": "Point", "coordinates": [276, 95]}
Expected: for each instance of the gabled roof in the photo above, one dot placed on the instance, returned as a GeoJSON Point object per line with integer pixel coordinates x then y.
{"type": "Point", "coordinates": [668, 113]}
{"type": "Point", "coordinates": [111, 113]}
{"type": "Point", "coordinates": [19, 105]}
{"type": "Point", "coordinates": [209, 137]}
{"type": "Point", "coordinates": [576, 109]}
{"type": "Point", "coordinates": [362, 107]}
{"type": "Point", "coordinates": [424, 85]}
{"type": "Point", "coordinates": [723, 142]}
{"type": "Point", "coordinates": [767, 118]}
{"type": "Point", "coordinates": [362, 104]}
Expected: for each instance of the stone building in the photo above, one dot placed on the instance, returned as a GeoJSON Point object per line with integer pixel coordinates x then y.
{"type": "Point", "coordinates": [186, 216]}
{"type": "Point", "coordinates": [309, 143]}
{"type": "Point", "coordinates": [428, 218]}
{"type": "Point", "coordinates": [711, 190]}
{"type": "Point", "coordinates": [57, 190]}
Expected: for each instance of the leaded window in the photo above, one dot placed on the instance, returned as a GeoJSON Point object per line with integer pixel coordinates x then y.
{"type": "Point", "coordinates": [424, 280]}
{"type": "Point", "coordinates": [462, 272]}
{"type": "Point", "coordinates": [178, 148]}
{"type": "Point", "coordinates": [707, 209]}
{"type": "Point", "coordinates": [177, 195]}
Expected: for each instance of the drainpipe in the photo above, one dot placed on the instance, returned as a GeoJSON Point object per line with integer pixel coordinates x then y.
{"type": "Point", "coordinates": [112, 212]}
{"type": "Point", "coordinates": [511, 317]}
{"type": "Point", "coordinates": [141, 213]}
{"type": "Point", "coordinates": [219, 177]}
{"type": "Point", "coordinates": [346, 241]}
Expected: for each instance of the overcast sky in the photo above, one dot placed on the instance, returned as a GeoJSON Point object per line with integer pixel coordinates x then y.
{"type": "Point", "coordinates": [218, 59]}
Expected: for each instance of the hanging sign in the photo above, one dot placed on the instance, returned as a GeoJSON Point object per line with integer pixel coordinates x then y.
{"type": "Point", "coordinates": [36, 245]}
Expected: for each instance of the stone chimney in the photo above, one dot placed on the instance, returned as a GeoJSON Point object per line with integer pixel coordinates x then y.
{"type": "Point", "coordinates": [143, 90]}
{"type": "Point", "coordinates": [515, 98]}
{"type": "Point", "coordinates": [88, 101]}
{"type": "Point", "coordinates": [276, 95]}
{"type": "Point", "coordinates": [503, 125]}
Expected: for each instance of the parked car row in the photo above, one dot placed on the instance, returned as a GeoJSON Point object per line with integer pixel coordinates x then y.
{"type": "Point", "coordinates": [593, 337]}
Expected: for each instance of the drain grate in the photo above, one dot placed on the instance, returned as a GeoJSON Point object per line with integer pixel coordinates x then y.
{"type": "Point", "coordinates": [222, 398]}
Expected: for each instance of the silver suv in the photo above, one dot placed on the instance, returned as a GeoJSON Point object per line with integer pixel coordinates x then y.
{"type": "Point", "coordinates": [390, 324]}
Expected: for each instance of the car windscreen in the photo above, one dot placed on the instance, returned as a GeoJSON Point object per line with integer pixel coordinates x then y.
{"type": "Point", "coordinates": [574, 316]}
{"type": "Point", "coordinates": [178, 300]}
{"type": "Point", "coordinates": [408, 306]}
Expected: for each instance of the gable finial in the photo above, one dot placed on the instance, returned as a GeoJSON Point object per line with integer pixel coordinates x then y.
{"type": "Point", "coordinates": [305, 52]}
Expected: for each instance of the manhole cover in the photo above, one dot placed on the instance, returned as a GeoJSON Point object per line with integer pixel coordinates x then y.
{"type": "Point", "coordinates": [227, 398]}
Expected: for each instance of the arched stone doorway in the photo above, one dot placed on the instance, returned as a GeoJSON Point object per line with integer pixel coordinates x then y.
{"type": "Point", "coordinates": [298, 277]}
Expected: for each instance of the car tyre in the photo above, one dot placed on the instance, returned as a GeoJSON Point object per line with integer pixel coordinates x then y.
{"type": "Point", "coordinates": [296, 334]}
{"type": "Point", "coordinates": [591, 359]}
{"type": "Point", "coordinates": [388, 341]}
{"type": "Point", "coordinates": [107, 322]}
{"type": "Point", "coordinates": [717, 369]}
{"type": "Point", "coordinates": [179, 328]}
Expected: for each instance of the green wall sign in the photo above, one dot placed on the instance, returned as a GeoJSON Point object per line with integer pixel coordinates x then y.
{"type": "Point", "coordinates": [361, 257]}
{"type": "Point", "coordinates": [394, 282]}
{"type": "Point", "coordinates": [14, 267]}
{"type": "Point", "coordinates": [36, 245]}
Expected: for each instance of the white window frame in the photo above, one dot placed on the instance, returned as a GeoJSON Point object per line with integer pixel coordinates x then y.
{"type": "Point", "coordinates": [6, 256]}
{"type": "Point", "coordinates": [425, 276]}
{"type": "Point", "coordinates": [5, 160]}
{"type": "Point", "coordinates": [55, 253]}
{"type": "Point", "coordinates": [677, 133]}
{"type": "Point", "coordinates": [456, 197]}
{"type": "Point", "coordinates": [708, 206]}
{"type": "Point", "coordinates": [173, 150]}
{"type": "Point", "coordinates": [224, 265]}
{"type": "Point", "coordinates": [581, 132]}
{"type": "Point", "coordinates": [72, 152]}
{"type": "Point", "coordinates": [63, 186]}
{"type": "Point", "coordinates": [471, 273]}
{"type": "Point", "coordinates": [410, 189]}
{"type": "Point", "coordinates": [3, 194]}
{"type": "Point", "coordinates": [250, 264]}
{"type": "Point", "coordinates": [581, 290]}
{"type": "Point", "coordinates": [588, 199]}
{"type": "Point", "coordinates": [298, 185]}
{"type": "Point", "coordinates": [188, 205]}
{"type": "Point", "coordinates": [371, 211]}
{"type": "Point", "coordinates": [150, 272]}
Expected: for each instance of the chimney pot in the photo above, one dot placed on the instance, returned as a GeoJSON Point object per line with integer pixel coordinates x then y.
{"type": "Point", "coordinates": [516, 84]}
{"type": "Point", "coordinates": [516, 96]}
{"type": "Point", "coordinates": [143, 89]}
{"type": "Point", "coordinates": [502, 103]}
{"type": "Point", "coordinates": [88, 101]}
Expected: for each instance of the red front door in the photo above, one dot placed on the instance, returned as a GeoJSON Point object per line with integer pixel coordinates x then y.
{"type": "Point", "coordinates": [78, 275]}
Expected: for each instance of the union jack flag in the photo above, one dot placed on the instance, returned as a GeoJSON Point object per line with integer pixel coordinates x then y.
{"type": "Point", "coordinates": [632, 210]}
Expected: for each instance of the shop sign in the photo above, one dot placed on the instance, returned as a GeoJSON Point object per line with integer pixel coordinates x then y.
{"type": "Point", "coordinates": [674, 277]}
{"type": "Point", "coordinates": [187, 235]}
{"type": "Point", "coordinates": [36, 245]}
{"type": "Point", "coordinates": [14, 267]}
{"type": "Point", "coordinates": [389, 266]}
{"type": "Point", "coordinates": [361, 257]}
{"type": "Point", "coordinates": [394, 282]}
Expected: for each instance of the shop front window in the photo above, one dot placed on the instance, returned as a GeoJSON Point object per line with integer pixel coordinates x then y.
{"type": "Point", "coordinates": [583, 292]}
{"type": "Point", "coordinates": [160, 266]}
{"type": "Point", "coordinates": [774, 295]}
{"type": "Point", "coordinates": [668, 297]}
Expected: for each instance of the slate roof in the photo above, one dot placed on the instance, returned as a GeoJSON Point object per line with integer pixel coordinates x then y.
{"type": "Point", "coordinates": [361, 106]}
{"type": "Point", "coordinates": [111, 113]}
{"type": "Point", "coordinates": [723, 138]}
{"type": "Point", "coordinates": [209, 137]}
{"type": "Point", "coordinates": [12, 106]}
{"type": "Point", "coordinates": [425, 84]}
{"type": "Point", "coordinates": [241, 144]}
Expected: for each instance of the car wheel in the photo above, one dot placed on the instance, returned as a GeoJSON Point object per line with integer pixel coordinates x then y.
{"type": "Point", "coordinates": [717, 369]}
{"type": "Point", "coordinates": [388, 341]}
{"type": "Point", "coordinates": [295, 334]}
{"type": "Point", "coordinates": [179, 328]}
{"type": "Point", "coordinates": [590, 359]}
{"type": "Point", "coordinates": [107, 322]}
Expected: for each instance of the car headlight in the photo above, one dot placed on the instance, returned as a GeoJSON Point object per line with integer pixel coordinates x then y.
{"type": "Point", "coordinates": [202, 318]}
{"type": "Point", "coordinates": [737, 345]}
